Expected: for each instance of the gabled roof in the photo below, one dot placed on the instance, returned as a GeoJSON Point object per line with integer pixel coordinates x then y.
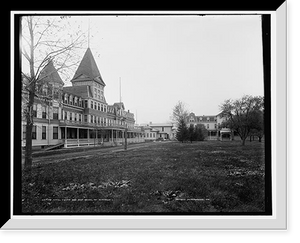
{"type": "Point", "coordinates": [87, 69]}
{"type": "Point", "coordinates": [50, 74]}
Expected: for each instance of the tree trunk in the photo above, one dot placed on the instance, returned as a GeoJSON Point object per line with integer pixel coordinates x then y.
{"type": "Point", "coordinates": [29, 115]}
{"type": "Point", "coordinates": [243, 141]}
{"type": "Point", "coordinates": [29, 126]}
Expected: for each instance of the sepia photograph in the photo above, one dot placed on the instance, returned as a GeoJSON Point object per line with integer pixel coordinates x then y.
{"type": "Point", "coordinates": [145, 114]}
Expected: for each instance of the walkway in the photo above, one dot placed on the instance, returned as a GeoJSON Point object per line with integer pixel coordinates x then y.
{"type": "Point", "coordinates": [73, 154]}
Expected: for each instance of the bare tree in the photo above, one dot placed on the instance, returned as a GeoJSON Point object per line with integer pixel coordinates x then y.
{"type": "Point", "coordinates": [244, 114]}
{"type": "Point", "coordinates": [179, 112]}
{"type": "Point", "coordinates": [44, 40]}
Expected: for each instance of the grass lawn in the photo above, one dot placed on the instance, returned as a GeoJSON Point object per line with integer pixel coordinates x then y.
{"type": "Point", "coordinates": [170, 177]}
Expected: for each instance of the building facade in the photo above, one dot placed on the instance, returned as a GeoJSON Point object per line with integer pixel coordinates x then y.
{"type": "Point", "coordinates": [79, 115]}
{"type": "Point", "coordinates": [154, 131]}
{"type": "Point", "coordinates": [213, 126]}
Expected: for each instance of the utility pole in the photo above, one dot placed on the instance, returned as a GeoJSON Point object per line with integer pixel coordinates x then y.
{"type": "Point", "coordinates": [125, 133]}
{"type": "Point", "coordinates": [125, 136]}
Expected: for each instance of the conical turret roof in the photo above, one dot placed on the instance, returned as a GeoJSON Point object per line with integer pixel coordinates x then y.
{"type": "Point", "coordinates": [87, 69]}
{"type": "Point", "coordinates": [50, 74]}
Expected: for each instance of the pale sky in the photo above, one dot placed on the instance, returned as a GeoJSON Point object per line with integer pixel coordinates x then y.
{"type": "Point", "coordinates": [200, 60]}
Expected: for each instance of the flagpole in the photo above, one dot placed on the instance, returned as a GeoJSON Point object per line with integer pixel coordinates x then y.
{"type": "Point", "coordinates": [89, 34]}
{"type": "Point", "coordinates": [120, 89]}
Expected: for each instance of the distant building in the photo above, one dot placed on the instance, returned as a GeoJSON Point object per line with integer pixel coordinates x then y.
{"type": "Point", "coordinates": [212, 124]}
{"type": "Point", "coordinates": [153, 131]}
{"type": "Point", "coordinates": [78, 115]}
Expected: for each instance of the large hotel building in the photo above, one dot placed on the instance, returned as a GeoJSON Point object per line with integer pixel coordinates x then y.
{"type": "Point", "coordinates": [78, 115]}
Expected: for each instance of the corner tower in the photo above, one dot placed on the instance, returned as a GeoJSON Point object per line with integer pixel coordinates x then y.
{"type": "Point", "coordinates": [88, 74]}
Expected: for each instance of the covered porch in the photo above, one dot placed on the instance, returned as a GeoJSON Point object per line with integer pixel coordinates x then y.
{"type": "Point", "coordinates": [226, 134]}
{"type": "Point", "coordinates": [82, 136]}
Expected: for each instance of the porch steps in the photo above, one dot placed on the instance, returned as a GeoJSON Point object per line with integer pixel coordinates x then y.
{"type": "Point", "coordinates": [54, 147]}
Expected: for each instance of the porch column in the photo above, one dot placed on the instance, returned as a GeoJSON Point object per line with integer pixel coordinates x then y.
{"type": "Point", "coordinates": [96, 131]}
{"type": "Point", "coordinates": [112, 135]}
{"type": "Point", "coordinates": [78, 137]}
{"type": "Point", "coordinates": [66, 140]}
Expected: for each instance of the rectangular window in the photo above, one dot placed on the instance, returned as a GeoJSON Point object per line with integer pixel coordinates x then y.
{"type": "Point", "coordinates": [91, 118]}
{"type": "Point", "coordinates": [66, 115]}
{"type": "Point", "coordinates": [75, 117]}
{"type": "Point", "coordinates": [86, 104]}
{"type": "Point", "coordinates": [43, 132]}
{"type": "Point", "coordinates": [55, 132]}
{"type": "Point", "coordinates": [92, 106]}
{"type": "Point", "coordinates": [24, 131]}
{"type": "Point", "coordinates": [92, 133]}
{"type": "Point", "coordinates": [207, 126]}
{"type": "Point", "coordinates": [44, 112]}
{"type": "Point", "coordinates": [162, 129]}
{"type": "Point", "coordinates": [55, 113]}
{"type": "Point", "coordinates": [79, 117]}
{"type": "Point", "coordinates": [215, 125]}
{"type": "Point", "coordinates": [71, 116]}
{"type": "Point", "coordinates": [33, 132]}
{"type": "Point", "coordinates": [34, 111]}
{"type": "Point", "coordinates": [85, 118]}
